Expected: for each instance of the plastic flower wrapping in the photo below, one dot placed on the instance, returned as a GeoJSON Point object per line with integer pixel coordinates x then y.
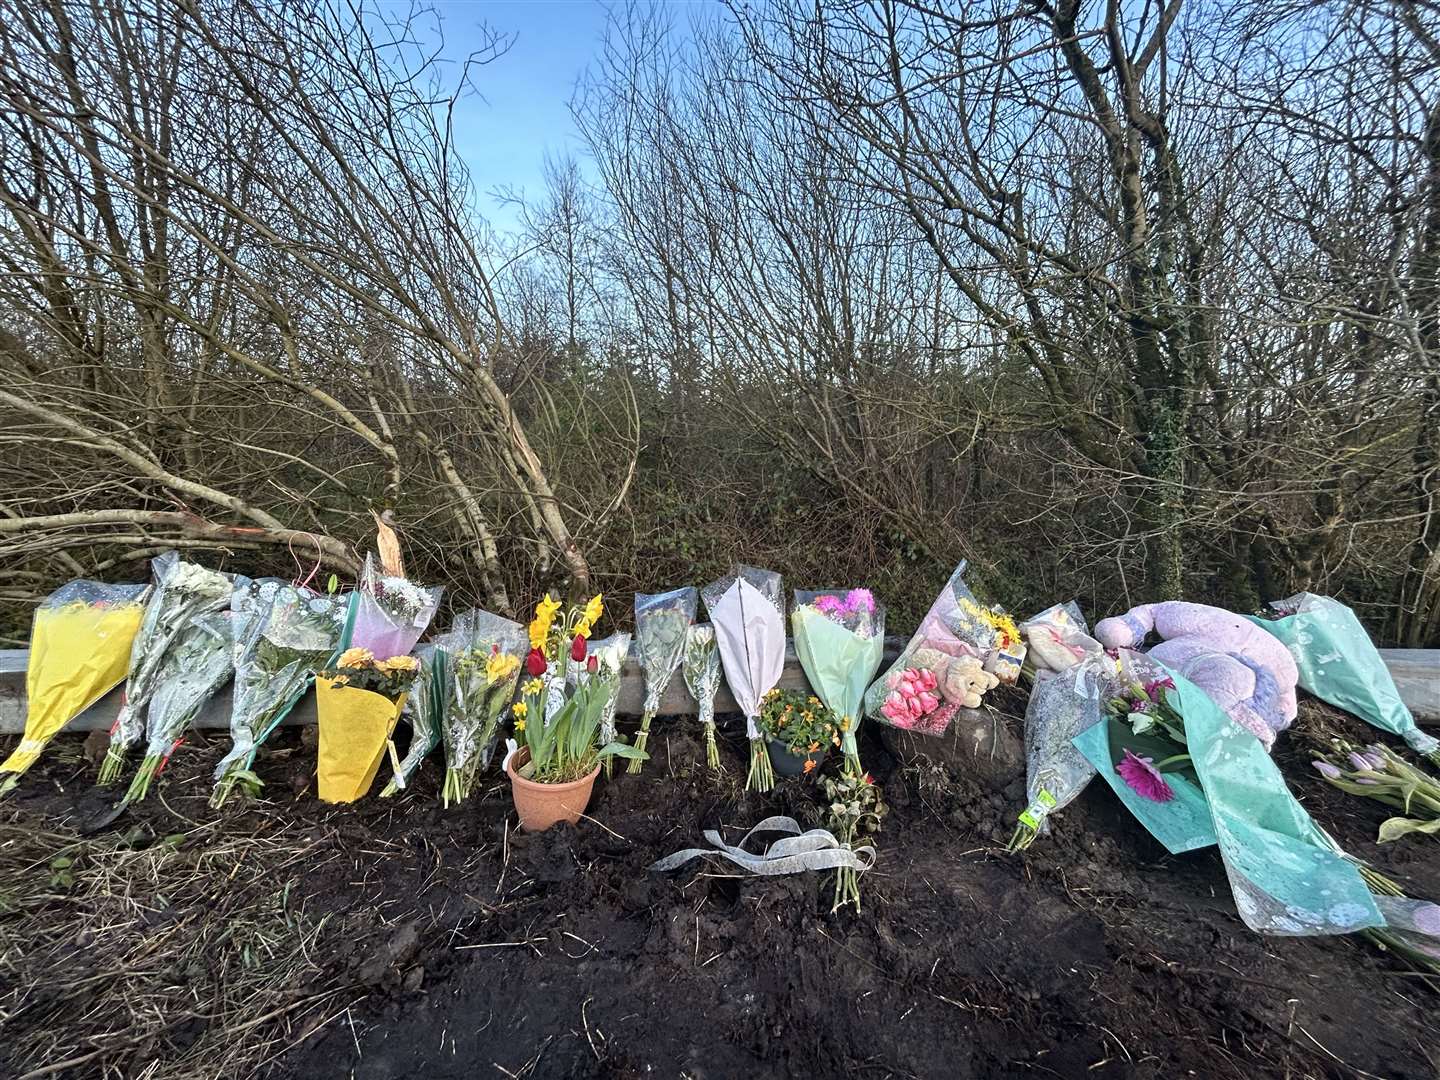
{"type": "Point", "coordinates": [747, 610]}
{"type": "Point", "coordinates": [701, 665]}
{"type": "Point", "coordinates": [483, 654]}
{"type": "Point", "coordinates": [181, 591]}
{"type": "Point", "coordinates": [390, 612]}
{"type": "Point", "coordinates": [284, 634]}
{"type": "Point", "coordinates": [79, 651]}
{"type": "Point", "coordinates": [604, 664]}
{"type": "Point", "coordinates": [195, 668]}
{"type": "Point", "coordinates": [959, 652]}
{"type": "Point", "coordinates": [840, 639]}
{"type": "Point", "coordinates": [661, 622]}
{"type": "Point", "coordinates": [425, 710]}
{"type": "Point", "coordinates": [1073, 681]}
{"type": "Point", "coordinates": [1338, 663]}
{"type": "Point", "coordinates": [358, 703]}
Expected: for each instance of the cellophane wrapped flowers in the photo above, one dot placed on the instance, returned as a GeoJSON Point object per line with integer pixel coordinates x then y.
{"type": "Point", "coordinates": [661, 622]}
{"type": "Point", "coordinates": [840, 639]}
{"type": "Point", "coordinates": [195, 668]}
{"type": "Point", "coordinates": [181, 592]}
{"type": "Point", "coordinates": [79, 650]}
{"type": "Point", "coordinates": [959, 652]}
{"type": "Point", "coordinates": [747, 610]}
{"type": "Point", "coordinates": [604, 664]}
{"type": "Point", "coordinates": [284, 634]}
{"type": "Point", "coordinates": [702, 678]}
{"type": "Point", "coordinates": [483, 652]}
{"type": "Point", "coordinates": [425, 707]}
{"type": "Point", "coordinates": [391, 612]}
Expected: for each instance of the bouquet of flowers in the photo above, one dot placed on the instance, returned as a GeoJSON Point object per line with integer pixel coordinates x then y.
{"type": "Point", "coordinates": [1379, 773]}
{"type": "Point", "coordinates": [195, 667]}
{"type": "Point", "coordinates": [661, 620]}
{"type": "Point", "coordinates": [181, 591]}
{"type": "Point", "coordinates": [855, 808]}
{"type": "Point", "coordinates": [747, 611]}
{"type": "Point", "coordinates": [425, 707]}
{"type": "Point", "coordinates": [604, 663]}
{"type": "Point", "coordinates": [702, 678]}
{"type": "Point", "coordinates": [79, 650]}
{"type": "Point", "coordinates": [840, 638]}
{"type": "Point", "coordinates": [960, 650]}
{"type": "Point", "coordinates": [1143, 719]}
{"type": "Point", "coordinates": [390, 612]}
{"type": "Point", "coordinates": [482, 654]}
{"type": "Point", "coordinates": [358, 702]}
{"type": "Point", "coordinates": [284, 634]}
{"type": "Point", "coordinates": [1073, 682]}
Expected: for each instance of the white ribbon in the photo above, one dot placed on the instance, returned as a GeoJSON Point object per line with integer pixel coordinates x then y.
{"type": "Point", "coordinates": [816, 849]}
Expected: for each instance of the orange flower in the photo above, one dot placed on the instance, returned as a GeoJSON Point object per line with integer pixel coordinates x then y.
{"type": "Point", "coordinates": [813, 747]}
{"type": "Point", "coordinates": [809, 764]}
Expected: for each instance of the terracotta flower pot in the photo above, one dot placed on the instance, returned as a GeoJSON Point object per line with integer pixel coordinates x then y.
{"type": "Point", "coordinates": [543, 805]}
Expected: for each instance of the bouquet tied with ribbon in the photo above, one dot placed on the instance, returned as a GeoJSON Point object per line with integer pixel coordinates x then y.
{"type": "Point", "coordinates": [194, 670]}
{"type": "Point", "coordinates": [181, 592]}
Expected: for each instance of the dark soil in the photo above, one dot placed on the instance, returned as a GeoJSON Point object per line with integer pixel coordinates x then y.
{"type": "Point", "coordinates": [466, 949]}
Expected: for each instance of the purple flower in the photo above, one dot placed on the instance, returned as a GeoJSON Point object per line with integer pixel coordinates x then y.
{"type": "Point", "coordinates": [1154, 686]}
{"type": "Point", "coordinates": [1325, 769]}
{"type": "Point", "coordinates": [827, 604]}
{"type": "Point", "coordinates": [1141, 705]}
{"type": "Point", "coordinates": [860, 600]}
{"type": "Point", "coordinates": [1359, 762]}
{"type": "Point", "coordinates": [1144, 779]}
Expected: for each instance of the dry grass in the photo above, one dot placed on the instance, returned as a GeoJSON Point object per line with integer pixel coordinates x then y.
{"type": "Point", "coordinates": [154, 957]}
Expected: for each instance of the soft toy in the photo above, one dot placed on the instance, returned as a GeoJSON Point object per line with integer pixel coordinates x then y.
{"type": "Point", "coordinates": [1246, 671]}
{"type": "Point", "coordinates": [966, 681]}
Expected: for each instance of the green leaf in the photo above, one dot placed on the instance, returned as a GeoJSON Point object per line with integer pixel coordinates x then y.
{"type": "Point", "coordinates": [332, 585]}
{"type": "Point", "coordinates": [625, 750]}
{"type": "Point", "coordinates": [1396, 827]}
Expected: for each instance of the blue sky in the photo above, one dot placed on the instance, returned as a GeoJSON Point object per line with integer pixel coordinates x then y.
{"type": "Point", "coordinates": [524, 112]}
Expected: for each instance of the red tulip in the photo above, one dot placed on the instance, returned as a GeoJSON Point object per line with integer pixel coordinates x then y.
{"type": "Point", "coordinates": [592, 665]}
{"type": "Point", "coordinates": [535, 663]}
{"type": "Point", "coordinates": [577, 649]}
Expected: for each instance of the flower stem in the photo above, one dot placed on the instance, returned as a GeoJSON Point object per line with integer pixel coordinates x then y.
{"type": "Point", "coordinates": [761, 776]}
{"type": "Point", "coordinates": [712, 752]}
{"type": "Point", "coordinates": [642, 739]}
{"type": "Point", "coordinates": [112, 766]}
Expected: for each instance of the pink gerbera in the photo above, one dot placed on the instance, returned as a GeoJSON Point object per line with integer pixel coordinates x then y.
{"type": "Point", "coordinates": [1144, 779]}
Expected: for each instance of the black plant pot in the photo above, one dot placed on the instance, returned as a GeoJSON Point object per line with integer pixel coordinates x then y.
{"type": "Point", "coordinates": [787, 764]}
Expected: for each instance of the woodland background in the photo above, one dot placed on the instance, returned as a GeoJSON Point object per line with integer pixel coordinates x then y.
{"type": "Point", "coordinates": [1119, 300]}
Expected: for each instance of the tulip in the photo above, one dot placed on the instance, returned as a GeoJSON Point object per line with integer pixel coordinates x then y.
{"type": "Point", "coordinates": [577, 649]}
{"type": "Point", "coordinates": [535, 663]}
{"type": "Point", "coordinates": [592, 665]}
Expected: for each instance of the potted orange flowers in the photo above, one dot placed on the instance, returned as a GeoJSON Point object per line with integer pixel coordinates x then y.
{"type": "Point", "coordinates": [358, 702]}
{"type": "Point", "coordinates": [799, 730]}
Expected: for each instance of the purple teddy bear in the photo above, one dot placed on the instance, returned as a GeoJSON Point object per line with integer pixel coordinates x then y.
{"type": "Point", "coordinates": [1247, 672]}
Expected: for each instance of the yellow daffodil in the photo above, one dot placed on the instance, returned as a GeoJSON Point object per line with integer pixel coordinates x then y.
{"type": "Point", "coordinates": [591, 615]}
{"type": "Point", "coordinates": [356, 658]}
{"type": "Point", "coordinates": [544, 617]}
{"type": "Point", "coordinates": [533, 688]}
{"type": "Point", "coordinates": [519, 726]}
{"type": "Point", "coordinates": [520, 709]}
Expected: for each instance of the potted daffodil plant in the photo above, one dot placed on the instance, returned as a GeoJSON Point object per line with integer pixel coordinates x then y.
{"type": "Point", "coordinates": [553, 772]}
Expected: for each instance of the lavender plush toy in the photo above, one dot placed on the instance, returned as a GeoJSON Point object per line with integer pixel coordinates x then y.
{"type": "Point", "coordinates": [1246, 671]}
